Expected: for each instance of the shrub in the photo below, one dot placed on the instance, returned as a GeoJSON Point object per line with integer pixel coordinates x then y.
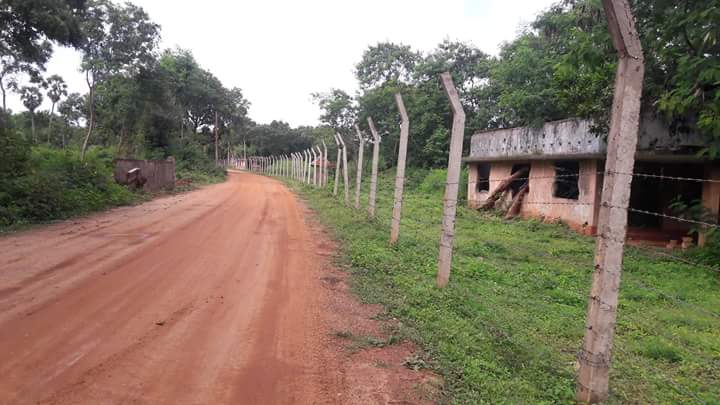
{"type": "Point", "coordinates": [434, 183]}
{"type": "Point", "coordinates": [56, 184]}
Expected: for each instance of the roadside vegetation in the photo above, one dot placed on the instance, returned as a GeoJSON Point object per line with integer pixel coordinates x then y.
{"type": "Point", "coordinates": [508, 327]}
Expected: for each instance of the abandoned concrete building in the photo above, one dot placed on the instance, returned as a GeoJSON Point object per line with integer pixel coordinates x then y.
{"type": "Point", "coordinates": [562, 165]}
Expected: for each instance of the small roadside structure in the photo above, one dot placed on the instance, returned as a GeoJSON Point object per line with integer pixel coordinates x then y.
{"type": "Point", "coordinates": [150, 175]}
{"type": "Point", "coordinates": [556, 172]}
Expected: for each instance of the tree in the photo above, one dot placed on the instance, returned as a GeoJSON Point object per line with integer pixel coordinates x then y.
{"type": "Point", "coordinates": [338, 110]}
{"type": "Point", "coordinates": [386, 62]}
{"type": "Point", "coordinates": [57, 88]}
{"type": "Point", "coordinates": [182, 72]}
{"type": "Point", "coordinates": [29, 27]}
{"type": "Point", "coordinates": [31, 98]}
{"type": "Point", "coordinates": [11, 71]}
{"type": "Point", "coordinates": [72, 109]}
{"type": "Point", "coordinates": [120, 40]}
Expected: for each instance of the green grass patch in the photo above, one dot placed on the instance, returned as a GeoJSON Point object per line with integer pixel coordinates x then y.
{"type": "Point", "coordinates": [508, 327]}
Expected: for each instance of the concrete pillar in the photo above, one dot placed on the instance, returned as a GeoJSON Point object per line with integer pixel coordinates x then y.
{"type": "Point", "coordinates": [358, 174]}
{"type": "Point", "coordinates": [374, 169]}
{"type": "Point", "coordinates": [400, 174]}
{"type": "Point", "coordinates": [345, 170]}
{"type": "Point", "coordinates": [452, 183]}
{"type": "Point", "coordinates": [594, 358]}
{"type": "Point", "coordinates": [324, 165]}
{"type": "Point", "coordinates": [337, 165]}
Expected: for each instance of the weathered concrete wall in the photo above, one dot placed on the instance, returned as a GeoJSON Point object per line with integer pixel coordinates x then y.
{"type": "Point", "coordinates": [572, 138]}
{"type": "Point", "coordinates": [580, 214]}
{"type": "Point", "coordinates": [160, 174]}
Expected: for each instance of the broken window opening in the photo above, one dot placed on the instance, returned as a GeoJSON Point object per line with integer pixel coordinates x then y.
{"type": "Point", "coordinates": [483, 177]}
{"type": "Point", "coordinates": [567, 180]}
{"type": "Point", "coordinates": [518, 183]}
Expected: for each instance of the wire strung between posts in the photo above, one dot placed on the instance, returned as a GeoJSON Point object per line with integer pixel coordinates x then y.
{"type": "Point", "coordinates": [660, 176]}
{"type": "Point", "coordinates": [646, 175]}
{"type": "Point", "coordinates": [657, 214]}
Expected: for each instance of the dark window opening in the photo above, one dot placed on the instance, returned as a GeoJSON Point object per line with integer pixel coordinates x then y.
{"type": "Point", "coordinates": [656, 194]}
{"type": "Point", "coordinates": [567, 180]}
{"type": "Point", "coordinates": [518, 183]}
{"type": "Point", "coordinates": [483, 177]}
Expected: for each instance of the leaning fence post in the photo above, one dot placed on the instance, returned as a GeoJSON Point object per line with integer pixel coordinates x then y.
{"type": "Point", "coordinates": [296, 165]}
{"type": "Point", "coordinates": [400, 174]}
{"type": "Point", "coordinates": [358, 174]}
{"type": "Point", "coordinates": [309, 166]}
{"type": "Point", "coordinates": [345, 170]}
{"type": "Point", "coordinates": [324, 165]}
{"type": "Point", "coordinates": [374, 170]}
{"type": "Point", "coordinates": [594, 357]}
{"type": "Point", "coordinates": [337, 166]}
{"type": "Point", "coordinates": [318, 169]}
{"type": "Point", "coordinates": [306, 172]}
{"type": "Point", "coordinates": [313, 166]}
{"type": "Point", "coordinates": [301, 167]}
{"type": "Point", "coordinates": [453, 181]}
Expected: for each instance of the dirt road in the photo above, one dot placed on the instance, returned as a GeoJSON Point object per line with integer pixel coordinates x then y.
{"type": "Point", "coordinates": [208, 297]}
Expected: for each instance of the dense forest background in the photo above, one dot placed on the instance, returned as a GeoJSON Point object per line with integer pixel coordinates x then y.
{"type": "Point", "coordinates": [144, 102]}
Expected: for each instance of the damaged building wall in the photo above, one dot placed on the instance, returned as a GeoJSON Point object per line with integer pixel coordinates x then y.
{"type": "Point", "coordinates": [580, 213]}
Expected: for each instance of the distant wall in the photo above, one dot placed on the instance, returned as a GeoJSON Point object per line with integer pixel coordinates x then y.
{"type": "Point", "coordinates": [160, 174]}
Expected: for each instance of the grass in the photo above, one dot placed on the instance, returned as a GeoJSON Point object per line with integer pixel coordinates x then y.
{"type": "Point", "coordinates": [508, 327]}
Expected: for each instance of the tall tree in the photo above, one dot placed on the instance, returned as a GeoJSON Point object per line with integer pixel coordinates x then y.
{"type": "Point", "coordinates": [29, 27]}
{"type": "Point", "coordinates": [120, 40]}
{"type": "Point", "coordinates": [56, 89]}
{"type": "Point", "coordinates": [31, 98]}
{"type": "Point", "coordinates": [338, 110]}
{"type": "Point", "coordinates": [72, 109]}
{"type": "Point", "coordinates": [386, 62]}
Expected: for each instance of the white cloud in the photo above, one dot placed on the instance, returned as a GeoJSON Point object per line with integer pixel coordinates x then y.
{"type": "Point", "coordinates": [280, 51]}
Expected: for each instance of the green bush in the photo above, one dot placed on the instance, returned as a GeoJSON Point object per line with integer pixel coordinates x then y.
{"type": "Point", "coordinates": [192, 163]}
{"type": "Point", "coordinates": [55, 184]}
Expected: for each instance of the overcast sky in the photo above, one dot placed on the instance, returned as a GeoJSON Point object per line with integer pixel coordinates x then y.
{"type": "Point", "coordinates": [280, 51]}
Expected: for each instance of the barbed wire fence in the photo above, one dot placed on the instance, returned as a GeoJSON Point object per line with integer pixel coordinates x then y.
{"type": "Point", "coordinates": [386, 214]}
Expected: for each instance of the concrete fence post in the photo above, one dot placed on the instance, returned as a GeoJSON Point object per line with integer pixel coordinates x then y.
{"type": "Point", "coordinates": [294, 165]}
{"type": "Point", "coordinates": [309, 166]}
{"type": "Point", "coordinates": [595, 356]}
{"type": "Point", "coordinates": [304, 166]}
{"type": "Point", "coordinates": [452, 183]}
{"type": "Point", "coordinates": [337, 165]}
{"type": "Point", "coordinates": [359, 173]}
{"type": "Point", "coordinates": [314, 167]}
{"type": "Point", "coordinates": [319, 166]}
{"type": "Point", "coordinates": [400, 173]}
{"type": "Point", "coordinates": [345, 170]}
{"type": "Point", "coordinates": [324, 165]}
{"type": "Point", "coordinates": [374, 169]}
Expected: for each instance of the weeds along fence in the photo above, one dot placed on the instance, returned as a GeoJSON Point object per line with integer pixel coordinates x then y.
{"type": "Point", "coordinates": [532, 269]}
{"type": "Point", "coordinates": [665, 336]}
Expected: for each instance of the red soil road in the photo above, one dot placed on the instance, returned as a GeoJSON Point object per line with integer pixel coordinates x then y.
{"type": "Point", "coordinates": [202, 298]}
